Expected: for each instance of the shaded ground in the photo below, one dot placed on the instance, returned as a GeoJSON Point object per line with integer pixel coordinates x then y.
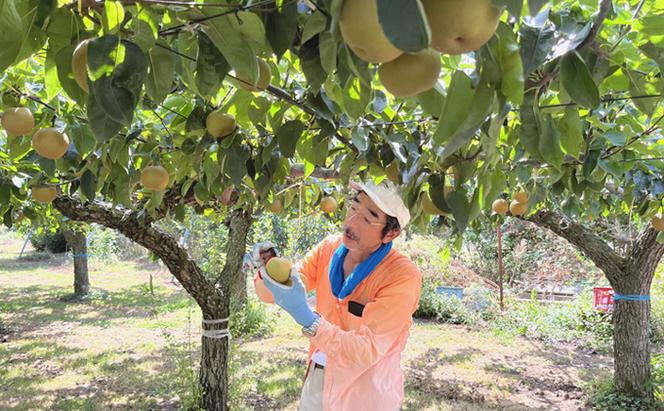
{"type": "Point", "coordinates": [125, 348]}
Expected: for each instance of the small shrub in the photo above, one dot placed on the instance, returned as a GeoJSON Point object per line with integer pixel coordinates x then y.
{"type": "Point", "coordinates": [604, 397]}
{"type": "Point", "coordinates": [657, 377]}
{"type": "Point", "coordinates": [481, 300]}
{"type": "Point", "coordinates": [250, 319]}
{"type": "Point", "coordinates": [102, 244]}
{"type": "Point", "coordinates": [443, 308]}
{"type": "Point", "coordinates": [657, 307]}
{"type": "Point", "coordinates": [574, 321]}
{"type": "Point", "coordinates": [51, 241]}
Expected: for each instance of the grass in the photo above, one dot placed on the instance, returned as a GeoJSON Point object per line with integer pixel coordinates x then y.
{"type": "Point", "coordinates": [124, 348]}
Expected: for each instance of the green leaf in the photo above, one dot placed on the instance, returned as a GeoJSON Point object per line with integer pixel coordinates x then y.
{"type": "Point", "coordinates": [236, 162]}
{"type": "Point", "coordinates": [47, 165]}
{"type": "Point", "coordinates": [612, 167]}
{"type": "Point", "coordinates": [578, 81]}
{"type": "Point", "coordinates": [119, 70]}
{"type": "Point", "coordinates": [146, 27]}
{"type": "Point", "coordinates": [34, 37]}
{"type": "Point", "coordinates": [460, 208]}
{"type": "Point", "coordinates": [161, 74]}
{"type": "Point", "coordinates": [432, 101]}
{"type": "Point", "coordinates": [639, 87]}
{"type": "Point", "coordinates": [83, 138]}
{"type": "Point", "coordinates": [63, 26]}
{"type": "Point", "coordinates": [102, 125]}
{"type": "Point", "coordinates": [356, 97]}
{"type": "Point", "coordinates": [536, 43]}
{"type": "Point", "coordinates": [455, 110]}
{"type": "Point", "coordinates": [437, 192]}
{"type": "Point", "coordinates": [288, 136]}
{"type": "Point", "coordinates": [12, 31]}
{"type": "Point", "coordinates": [250, 25]}
{"type": "Point", "coordinates": [616, 137]}
{"type": "Point", "coordinates": [311, 64]}
{"type": "Point", "coordinates": [66, 77]}
{"type": "Point", "coordinates": [511, 83]}
{"type": "Point", "coordinates": [529, 130]}
{"type": "Point", "coordinates": [5, 192]}
{"type": "Point", "coordinates": [112, 17]}
{"type": "Point", "coordinates": [394, 15]}
{"type": "Point", "coordinates": [571, 132]}
{"type": "Point", "coordinates": [360, 138]}
{"type": "Point", "coordinates": [211, 67]}
{"type": "Point", "coordinates": [232, 43]}
{"type": "Point", "coordinates": [549, 142]}
{"type": "Point", "coordinates": [53, 86]}
{"type": "Point", "coordinates": [117, 102]}
{"type": "Point", "coordinates": [187, 44]}
{"type": "Point", "coordinates": [89, 185]}
{"type": "Point", "coordinates": [513, 6]}
{"type": "Point", "coordinates": [328, 52]}
{"type": "Point", "coordinates": [281, 26]}
{"type": "Point", "coordinates": [655, 53]}
{"type": "Point", "coordinates": [590, 162]}
{"type": "Point", "coordinates": [498, 184]}
{"type": "Point", "coordinates": [315, 24]}
{"type": "Point", "coordinates": [479, 109]}
{"type": "Point", "coordinates": [652, 25]}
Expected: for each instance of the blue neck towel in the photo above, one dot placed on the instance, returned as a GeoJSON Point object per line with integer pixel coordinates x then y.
{"type": "Point", "coordinates": [342, 288]}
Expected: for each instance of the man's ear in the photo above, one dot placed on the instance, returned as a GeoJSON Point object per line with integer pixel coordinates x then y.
{"type": "Point", "coordinates": [391, 235]}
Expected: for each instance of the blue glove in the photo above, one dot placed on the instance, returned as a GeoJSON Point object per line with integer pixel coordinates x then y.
{"type": "Point", "coordinates": [292, 298]}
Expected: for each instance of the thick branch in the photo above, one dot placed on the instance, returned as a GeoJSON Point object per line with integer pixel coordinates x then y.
{"type": "Point", "coordinates": [593, 246]}
{"type": "Point", "coordinates": [238, 228]}
{"type": "Point", "coordinates": [645, 255]}
{"type": "Point", "coordinates": [165, 246]}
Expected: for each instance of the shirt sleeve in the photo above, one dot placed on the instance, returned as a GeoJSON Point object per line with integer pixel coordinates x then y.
{"type": "Point", "coordinates": [384, 320]}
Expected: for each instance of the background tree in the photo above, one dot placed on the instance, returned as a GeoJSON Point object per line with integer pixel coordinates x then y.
{"type": "Point", "coordinates": [137, 110]}
{"type": "Point", "coordinates": [76, 236]}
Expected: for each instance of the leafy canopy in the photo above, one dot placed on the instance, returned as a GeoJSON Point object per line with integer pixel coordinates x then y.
{"type": "Point", "coordinates": [564, 101]}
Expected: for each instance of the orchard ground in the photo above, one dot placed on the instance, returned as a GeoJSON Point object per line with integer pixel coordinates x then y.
{"type": "Point", "coordinates": [125, 348]}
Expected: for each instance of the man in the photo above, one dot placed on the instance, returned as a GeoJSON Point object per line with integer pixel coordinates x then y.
{"type": "Point", "coordinates": [366, 293]}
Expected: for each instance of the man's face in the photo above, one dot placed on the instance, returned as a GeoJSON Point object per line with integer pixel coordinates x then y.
{"type": "Point", "coordinates": [363, 225]}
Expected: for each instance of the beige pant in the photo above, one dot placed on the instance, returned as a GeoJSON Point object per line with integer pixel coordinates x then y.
{"type": "Point", "coordinates": [312, 392]}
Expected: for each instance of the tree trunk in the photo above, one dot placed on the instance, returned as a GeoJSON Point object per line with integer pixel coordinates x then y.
{"type": "Point", "coordinates": [213, 375]}
{"type": "Point", "coordinates": [239, 291]}
{"type": "Point", "coordinates": [631, 344]}
{"type": "Point", "coordinates": [629, 275]}
{"type": "Point", "coordinates": [77, 241]}
{"type": "Point", "coordinates": [214, 354]}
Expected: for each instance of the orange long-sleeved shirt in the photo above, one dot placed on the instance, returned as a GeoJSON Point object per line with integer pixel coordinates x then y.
{"type": "Point", "coordinates": [363, 370]}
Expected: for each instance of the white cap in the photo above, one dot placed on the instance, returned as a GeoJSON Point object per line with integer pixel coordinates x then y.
{"type": "Point", "coordinates": [387, 198]}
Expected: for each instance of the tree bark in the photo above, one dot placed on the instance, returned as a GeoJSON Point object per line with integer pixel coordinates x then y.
{"type": "Point", "coordinates": [630, 275]}
{"type": "Point", "coordinates": [77, 241]}
{"type": "Point", "coordinates": [631, 344]}
{"type": "Point", "coordinates": [214, 353]}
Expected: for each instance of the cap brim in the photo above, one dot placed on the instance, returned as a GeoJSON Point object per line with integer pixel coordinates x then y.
{"type": "Point", "coordinates": [379, 203]}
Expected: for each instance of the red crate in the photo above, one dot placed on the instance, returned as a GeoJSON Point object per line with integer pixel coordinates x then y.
{"type": "Point", "coordinates": [603, 298]}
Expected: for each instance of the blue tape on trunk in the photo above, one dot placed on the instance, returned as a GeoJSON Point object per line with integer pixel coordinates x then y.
{"type": "Point", "coordinates": [630, 297]}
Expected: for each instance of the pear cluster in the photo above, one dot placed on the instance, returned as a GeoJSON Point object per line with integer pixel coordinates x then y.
{"type": "Point", "coordinates": [457, 27]}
